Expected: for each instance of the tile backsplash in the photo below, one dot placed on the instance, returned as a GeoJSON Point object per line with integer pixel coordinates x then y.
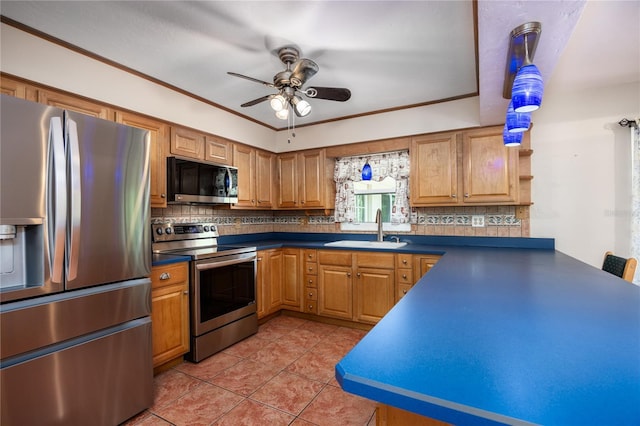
{"type": "Point", "coordinates": [499, 221]}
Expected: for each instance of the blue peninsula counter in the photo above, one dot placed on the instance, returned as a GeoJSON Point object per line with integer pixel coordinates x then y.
{"type": "Point", "coordinates": [506, 336]}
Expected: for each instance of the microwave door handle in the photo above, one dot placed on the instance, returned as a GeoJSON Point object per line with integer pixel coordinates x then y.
{"type": "Point", "coordinates": [73, 241]}
{"type": "Point", "coordinates": [56, 199]}
{"type": "Point", "coordinates": [220, 264]}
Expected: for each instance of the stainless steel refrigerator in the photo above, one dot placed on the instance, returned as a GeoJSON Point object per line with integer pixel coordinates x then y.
{"type": "Point", "coordinates": [75, 257]}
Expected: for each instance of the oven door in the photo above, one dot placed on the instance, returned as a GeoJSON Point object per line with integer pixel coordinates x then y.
{"type": "Point", "coordinates": [223, 290]}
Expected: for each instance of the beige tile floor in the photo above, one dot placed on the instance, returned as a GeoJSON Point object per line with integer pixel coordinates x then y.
{"type": "Point", "coordinates": [283, 375]}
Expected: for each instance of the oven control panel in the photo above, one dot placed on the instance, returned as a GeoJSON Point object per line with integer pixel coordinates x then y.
{"type": "Point", "coordinates": [183, 231]}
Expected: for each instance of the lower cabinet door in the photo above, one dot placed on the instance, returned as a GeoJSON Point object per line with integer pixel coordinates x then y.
{"type": "Point", "coordinates": [335, 296]}
{"type": "Point", "coordinates": [373, 294]}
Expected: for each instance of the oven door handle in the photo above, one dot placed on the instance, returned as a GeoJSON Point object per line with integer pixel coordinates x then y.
{"type": "Point", "coordinates": [219, 264]}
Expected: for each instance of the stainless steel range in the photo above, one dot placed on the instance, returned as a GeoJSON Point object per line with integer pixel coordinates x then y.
{"type": "Point", "coordinates": [222, 280]}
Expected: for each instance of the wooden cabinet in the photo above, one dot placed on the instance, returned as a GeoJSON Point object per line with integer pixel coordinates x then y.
{"type": "Point", "coordinates": [310, 280]}
{"type": "Point", "coordinates": [159, 141]}
{"type": "Point", "coordinates": [357, 286]}
{"type": "Point", "coordinates": [463, 168]}
{"type": "Point", "coordinates": [187, 143]}
{"type": "Point", "coordinates": [335, 284]}
{"type": "Point", "coordinates": [404, 274]}
{"type": "Point", "coordinates": [422, 263]}
{"type": "Point", "coordinates": [73, 103]}
{"type": "Point", "coordinates": [302, 180]}
{"type": "Point", "coordinates": [490, 169]}
{"type": "Point", "coordinates": [218, 150]}
{"type": "Point", "coordinates": [169, 312]}
{"type": "Point", "coordinates": [261, 283]}
{"type": "Point", "coordinates": [269, 281]}
{"type": "Point", "coordinates": [291, 283]}
{"type": "Point", "coordinates": [434, 169]}
{"type": "Point", "coordinates": [255, 177]}
{"type": "Point", "coordinates": [17, 89]}
{"type": "Point", "coordinates": [274, 272]}
{"type": "Point", "coordinates": [374, 286]}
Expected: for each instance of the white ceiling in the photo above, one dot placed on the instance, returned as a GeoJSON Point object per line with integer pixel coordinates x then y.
{"type": "Point", "coordinates": [390, 54]}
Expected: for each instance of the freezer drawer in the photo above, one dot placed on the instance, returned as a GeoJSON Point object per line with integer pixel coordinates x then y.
{"type": "Point", "coordinates": [27, 325]}
{"type": "Point", "coordinates": [102, 379]}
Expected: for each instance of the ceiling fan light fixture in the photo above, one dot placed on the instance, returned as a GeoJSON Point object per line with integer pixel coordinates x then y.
{"type": "Point", "coordinates": [302, 107]}
{"type": "Point", "coordinates": [283, 114]}
{"type": "Point", "coordinates": [278, 103]}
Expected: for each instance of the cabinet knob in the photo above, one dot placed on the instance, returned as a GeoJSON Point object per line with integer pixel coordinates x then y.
{"type": "Point", "coordinates": [310, 256]}
{"type": "Point", "coordinates": [358, 274]}
{"type": "Point", "coordinates": [404, 291]}
{"type": "Point", "coordinates": [404, 261]}
{"type": "Point", "coordinates": [163, 195]}
{"type": "Point", "coordinates": [259, 259]}
{"type": "Point", "coordinates": [348, 274]}
{"type": "Point", "coordinates": [310, 281]}
{"type": "Point", "coordinates": [466, 195]}
{"type": "Point", "coordinates": [253, 201]}
{"type": "Point", "coordinates": [165, 276]}
{"type": "Point", "coordinates": [310, 307]}
{"type": "Point", "coordinates": [404, 276]}
{"type": "Point", "coordinates": [310, 294]}
{"type": "Point", "coordinates": [186, 292]}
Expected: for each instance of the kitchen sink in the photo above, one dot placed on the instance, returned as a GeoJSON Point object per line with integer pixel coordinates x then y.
{"type": "Point", "coordinates": [366, 244]}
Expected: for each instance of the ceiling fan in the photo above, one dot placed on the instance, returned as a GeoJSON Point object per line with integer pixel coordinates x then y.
{"type": "Point", "coordinates": [289, 85]}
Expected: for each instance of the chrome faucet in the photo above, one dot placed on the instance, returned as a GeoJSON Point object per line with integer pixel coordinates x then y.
{"type": "Point", "coordinates": [379, 222]}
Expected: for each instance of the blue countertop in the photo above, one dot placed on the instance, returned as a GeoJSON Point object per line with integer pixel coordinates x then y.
{"type": "Point", "coordinates": [503, 335]}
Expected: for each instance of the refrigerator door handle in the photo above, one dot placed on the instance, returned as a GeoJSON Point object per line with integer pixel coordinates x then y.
{"type": "Point", "coordinates": [56, 199]}
{"type": "Point", "coordinates": [75, 205]}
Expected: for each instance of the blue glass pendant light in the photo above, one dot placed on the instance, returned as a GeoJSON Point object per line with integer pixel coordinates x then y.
{"type": "Point", "coordinates": [366, 171]}
{"type": "Point", "coordinates": [517, 121]}
{"type": "Point", "coordinates": [528, 87]}
{"type": "Point", "coordinates": [511, 138]}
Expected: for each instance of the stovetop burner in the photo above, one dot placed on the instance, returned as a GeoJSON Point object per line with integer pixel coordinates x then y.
{"type": "Point", "coordinates": [197, 240]}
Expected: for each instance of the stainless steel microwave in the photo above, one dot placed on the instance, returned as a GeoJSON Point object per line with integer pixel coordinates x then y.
{"type": "Point", "coordinates": [191, 181]}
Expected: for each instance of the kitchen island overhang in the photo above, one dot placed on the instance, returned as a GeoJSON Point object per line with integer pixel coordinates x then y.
{"type": "Point", "coordinates": [506, 336]}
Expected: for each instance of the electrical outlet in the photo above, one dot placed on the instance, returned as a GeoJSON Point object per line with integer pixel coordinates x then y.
{"type": "Point", "coordinates": [477, 221]}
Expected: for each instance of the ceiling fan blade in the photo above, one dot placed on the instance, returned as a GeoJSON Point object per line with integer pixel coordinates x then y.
{"type": "Point", "coordinates": [302, 71]}
{"type": "Point", "coordinates": [256, 101]}
{"type": "Point", "coordinates": [330, 93]}
{"type": "Point", "coordinates": [235, 74]}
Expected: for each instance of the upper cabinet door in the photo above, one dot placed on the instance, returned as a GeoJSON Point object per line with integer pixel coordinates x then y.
{"type": "Point", "coordinates": [218, 150]}
{"type": "Point", "coordinates": [264, 188]}
{"type": "Point", "coordinates": [244, 158]}
{"type": "Point", "coordinates": [434, 170]}
{"type": "Point", "coordinates": [187, 143]}
{"type": "Point", "coordinates": [288, 179]}
{"type": "Point", "coordinates": [73, 103]}
{"type": "Point", "coordinates": [159, 141]}
{"type": "Point", "coordinates": [490, 170]}
{"type": "Point", "coordinates": [311, 179]}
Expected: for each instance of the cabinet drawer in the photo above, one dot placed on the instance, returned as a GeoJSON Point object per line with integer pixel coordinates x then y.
{"type": "Point", "coordinates": [311, 306]}
{"type": "Point", "coordinates": [311, 268]}
{"type": "Point", "coordinates": [311, 293]}
{"type": "Point", "coordinates": [374, 260]}
{"type": "Point", "coordinates": [404, 276]}
{"type": "Point", "coordinates": [402, 290]}
{"type": "Point", "coordinates": [337, 257]}
{"type": "Point", "coordinates": [404, 260]}
{"type": "Point", "coordinates": [311, 281]}
{"type": "Point", "coordinates": [169, 274]}
{"type": "Point", "coordinates": [309, 255]}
